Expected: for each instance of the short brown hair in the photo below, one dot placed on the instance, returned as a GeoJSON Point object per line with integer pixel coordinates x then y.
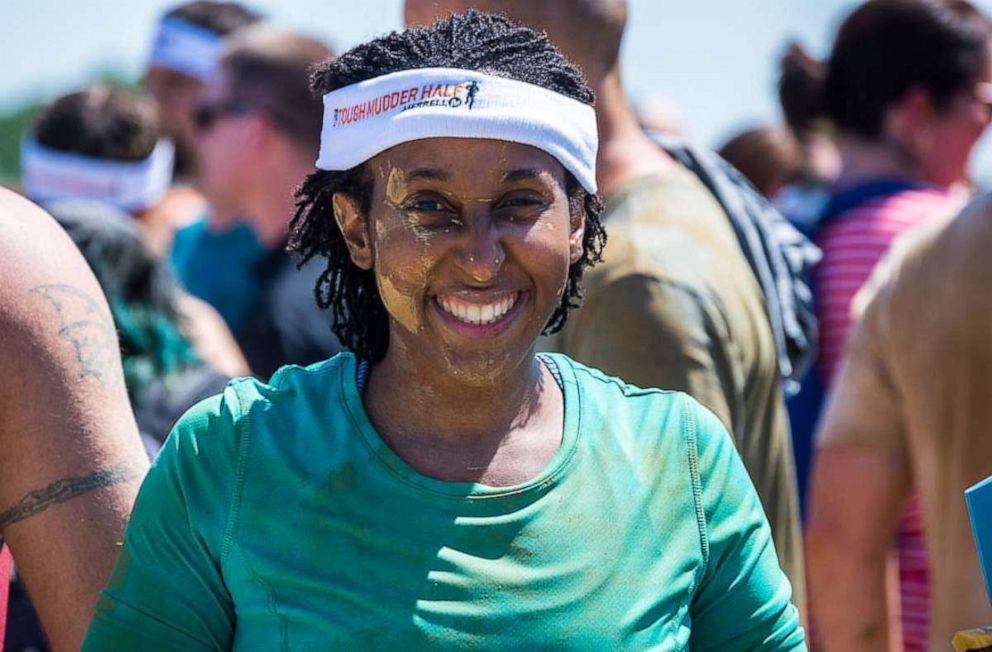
{"type": "Point", "coordinates": [100, 121]}
{"type": "Point", "coordinates": [769, 157]}
{"type": "Point", "coordinates": [270, 70]}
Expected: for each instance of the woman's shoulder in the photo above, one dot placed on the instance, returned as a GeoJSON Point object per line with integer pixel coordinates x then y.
{"type": "Point", "coordinates": [292, 390]}
{"type": "Point", "coordinates": [646, 412]}
{"type": "Point", "coordinates": [292, 383]}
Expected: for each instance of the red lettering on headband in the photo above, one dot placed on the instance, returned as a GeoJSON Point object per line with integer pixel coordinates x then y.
{"type": "Point", "coordinates": [383, 103]}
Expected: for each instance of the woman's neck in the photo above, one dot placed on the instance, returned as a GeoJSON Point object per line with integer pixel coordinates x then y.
{"type": "Point", "coordinates": [625, 151]}
{"type": "Point", "coordinates": [864, 160]}
{"type": "Point", "coordinates": [499, 432]}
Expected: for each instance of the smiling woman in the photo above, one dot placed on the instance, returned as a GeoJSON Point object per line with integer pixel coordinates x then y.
{"type": "Point", "coordinates": [442, 485]}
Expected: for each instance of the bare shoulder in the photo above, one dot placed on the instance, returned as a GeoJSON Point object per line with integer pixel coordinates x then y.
{"type": "Point", "coordinates": [60, 365]}
{"type": "Point", "coordinates": [34, 248]}
{"type": "Point", "coordinates": [49, 299]}
{"type": "Point", "coordinates": [70, 456]}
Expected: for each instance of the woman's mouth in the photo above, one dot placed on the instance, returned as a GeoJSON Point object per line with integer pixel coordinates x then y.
{"type": "Point", "coordinates": [477, 313]}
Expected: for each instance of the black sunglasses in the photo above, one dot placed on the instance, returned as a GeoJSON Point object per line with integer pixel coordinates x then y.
{"type": "Point", "coordinates": [206, 114]}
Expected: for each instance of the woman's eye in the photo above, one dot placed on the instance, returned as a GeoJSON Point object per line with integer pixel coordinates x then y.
{"type": "Point", "coordinates": [520, 201]}
{"type": "Point", "coordinates": [427, 206]}
{"type": "Point", "coordinates": [521, 207]}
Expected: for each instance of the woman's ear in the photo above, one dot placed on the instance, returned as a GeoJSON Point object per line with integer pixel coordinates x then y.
{"type": "Point", "coordinates": [354, 227]}
{"type": "Point", "coordinates": [577, 231]}
{"type": "Point", "coordinates": [908, 121]}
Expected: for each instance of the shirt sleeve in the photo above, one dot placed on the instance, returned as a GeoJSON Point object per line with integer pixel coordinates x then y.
{"type": "Point", "coordinates": [655, 333]}
{"type": "Point", "coordinates": [167, 591]}
{"type": "Point", "coordinates": [743, 600]}
{"type": "Point", "coordinates": [865, 407]}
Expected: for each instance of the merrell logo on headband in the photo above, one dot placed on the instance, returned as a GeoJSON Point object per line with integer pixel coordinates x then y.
{"type": "Point", "coordinates": [450, 95]}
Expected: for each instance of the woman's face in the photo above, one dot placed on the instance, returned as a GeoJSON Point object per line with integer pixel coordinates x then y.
{"type": "Point", "coordinates": [952, 133]}
{"type": "Point", "coordinates": [470, 241]}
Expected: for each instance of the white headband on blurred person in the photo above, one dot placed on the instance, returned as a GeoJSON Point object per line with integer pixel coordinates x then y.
{"type": "Point", "coordinates": [367, 118]}
{"type": "Point", "coordinates": [50, 175]}
{"type": "Point", "coordinates": [187, 48]}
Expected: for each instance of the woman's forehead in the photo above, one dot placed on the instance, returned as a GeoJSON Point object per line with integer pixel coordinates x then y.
{"type": "Point", "coordinates": [449, 158]}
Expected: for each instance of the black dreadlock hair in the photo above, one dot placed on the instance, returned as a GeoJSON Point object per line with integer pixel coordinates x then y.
{"type": "Point", "coordinates": [472, 41]}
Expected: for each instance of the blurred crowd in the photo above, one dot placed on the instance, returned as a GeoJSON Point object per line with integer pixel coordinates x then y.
{"type": "Point", "coordinates": [836, 316]}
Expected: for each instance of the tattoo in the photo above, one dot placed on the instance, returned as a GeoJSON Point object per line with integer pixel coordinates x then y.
{"type": "Point", "coordinates": [64, 490]}
{"type": "Point", "coordinates": [84, 325]}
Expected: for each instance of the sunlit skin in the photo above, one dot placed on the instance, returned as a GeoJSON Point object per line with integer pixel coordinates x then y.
{"type": "Point", "coordinates": [921, 139]}
{"type": "Point", "coordinates": [224, 150]}
{"type": "Point", "coordinates": [463, 225]}
{"type": "Point", "coordinates": [953, 132]}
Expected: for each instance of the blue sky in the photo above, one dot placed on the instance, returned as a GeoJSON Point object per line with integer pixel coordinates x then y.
{"type": "Point", "coordinates": [716, 59]}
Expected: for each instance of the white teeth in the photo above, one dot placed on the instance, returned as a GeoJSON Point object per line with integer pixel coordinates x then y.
{"type": "Point", "coordinates": [476, 314]}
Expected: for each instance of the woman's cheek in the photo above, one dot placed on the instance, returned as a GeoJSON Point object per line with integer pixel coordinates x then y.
{"type": "Point", "coordinates": [400, 303]}
{"type": "Point", "coordinates": [548, 243]}
{"type": "Point", "coordinates": [403, 284]}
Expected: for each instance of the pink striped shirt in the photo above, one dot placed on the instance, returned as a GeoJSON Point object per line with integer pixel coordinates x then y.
{"type": "Point", "coordinates": [852, 243]}
{"type": "Point", "coordinates": [4, 586]}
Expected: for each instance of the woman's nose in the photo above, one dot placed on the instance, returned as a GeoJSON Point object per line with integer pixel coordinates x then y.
{"type": "Point", "coordinates": [480, 253]}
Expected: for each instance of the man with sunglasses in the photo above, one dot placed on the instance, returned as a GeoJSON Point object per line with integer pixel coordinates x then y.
{"type": "Point", "coordinates": [256, 129]}
{"type": "Point", "coordinates": [184, 52]}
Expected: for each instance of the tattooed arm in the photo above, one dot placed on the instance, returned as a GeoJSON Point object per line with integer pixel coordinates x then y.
{"type": "Point", "coordinates": [70, 457]}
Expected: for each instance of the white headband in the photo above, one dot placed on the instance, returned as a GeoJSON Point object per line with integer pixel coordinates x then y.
{"type": "Point", "coordinates": [369, 117]}
{"type": "Point", "coordinates": [186, 48]}
{"type": "Point", "coordinates": [49, 175]}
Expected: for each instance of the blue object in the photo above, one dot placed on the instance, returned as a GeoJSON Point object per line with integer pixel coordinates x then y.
{"type": "Point", "coordinates": [220, 267]}
{"type": "Point", "coordinates": [979, 500]}
{"type": "Point", "coordinates": [806, 406]}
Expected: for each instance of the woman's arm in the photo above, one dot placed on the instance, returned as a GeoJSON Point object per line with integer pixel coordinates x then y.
{"type": "Point", "coordinates": [743, 600]}
{"type": "Point", "coordinates": [70, 457]}
{"type": "Point", "coordinates": [861, 479]}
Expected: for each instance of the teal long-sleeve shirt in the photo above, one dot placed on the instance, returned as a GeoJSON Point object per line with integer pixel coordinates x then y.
{"type": "Point", "coordinates": [276, 519]}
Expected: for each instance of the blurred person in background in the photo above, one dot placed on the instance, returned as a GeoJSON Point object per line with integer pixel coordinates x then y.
{"type": "Point", "coordinates": [185, 51]}
{"type": "Point", "coordinates": [95, 160]}
{"type": "Point", "coordinates": [769, 157]}
{"type": "Point", "coordinates": [802, 202]}
{"type": "Point", "coordinates": [675, 304]}
{"type": "Point", "coordinates": [660, 115]}
{"type": "Point", "coordinates": [163, 374]}
{"type": "Point", "coordinates": [908, 90]}
{"type": "Point", "coordinates": [70, 456]}
{"type": "Point", "coordinates": [800, 83]}
{"type": "Point", "coordinates": [213, 253]}
{"type": "Point", "coordinates": [103, 144]}
{"type": "Point", "coordinates": [257, 132]}
{"type": "Point", "coordinates": [911, 410]}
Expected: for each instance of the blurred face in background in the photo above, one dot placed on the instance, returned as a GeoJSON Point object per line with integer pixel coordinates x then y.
{"type": "Point", "coordinates": [938, 138]}
{"type": "Point", "coordinates": [955, 130]}
{"type": "Point", "coordinates": [225, 130]}
{"type": "Point", "coordinates": [176, 94]}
